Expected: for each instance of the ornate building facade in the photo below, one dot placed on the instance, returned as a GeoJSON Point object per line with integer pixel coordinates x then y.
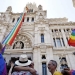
{"type": "Point", "coordinates": [42, 39]}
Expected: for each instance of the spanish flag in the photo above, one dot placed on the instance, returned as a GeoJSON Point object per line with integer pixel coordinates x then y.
{"type": "Point", "coordinates": [71, 40]}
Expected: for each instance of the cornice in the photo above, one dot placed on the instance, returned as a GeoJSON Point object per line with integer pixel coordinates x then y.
{"type": "Point", "coordinates": [62, 24]}
{"type": "Point", "coordinates": [41, 21]}
{"type": "Point", "coordinates": [12, 51]}
{"type": "Point", "coordinates": [42, 46]}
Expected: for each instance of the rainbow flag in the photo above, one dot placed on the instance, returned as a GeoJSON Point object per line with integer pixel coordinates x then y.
{"type": "Point", "coordinates": [11, 36]}
{"type": "Point", "coordinates": [13, 33]}
{"type": "Point", "coordinates": [71, 41]}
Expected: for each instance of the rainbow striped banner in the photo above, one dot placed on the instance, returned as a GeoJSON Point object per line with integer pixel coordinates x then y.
{"type": "Point", "coordinates": [13, 33]}
{"type": "Point", "coordinates": [71, 41]}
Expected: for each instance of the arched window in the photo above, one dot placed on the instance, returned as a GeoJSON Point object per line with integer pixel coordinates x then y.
{"type": "Point", "coordinates": [18, 45]}
{"type": "Point", "coordinates": [42, 38]}
{"type": "Point", "coordinates": [18, 18]}
{"type": "Point", "coordinates": [27, 19]}
{"type": "Point", "coordinates": [32, 19]}
{"type": "Point", "coordinates": [13, 20]}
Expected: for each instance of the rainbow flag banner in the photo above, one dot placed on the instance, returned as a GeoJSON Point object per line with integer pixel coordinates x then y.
{"type": "Point", "coordinates": [13, 33]}
{"type": "Point", "coordinates": [71, 41]}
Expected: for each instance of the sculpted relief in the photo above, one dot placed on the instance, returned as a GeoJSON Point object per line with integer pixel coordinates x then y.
{"type": "Point", "coordinates": [22, 42]}
{"type": "Point", "coordinates": [9, 9]}
{"type": "Point", "coordinates": [19, 45]}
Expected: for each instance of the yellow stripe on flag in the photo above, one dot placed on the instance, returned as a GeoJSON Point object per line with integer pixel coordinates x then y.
{"type": "Point", "coordinates": [72, 37]}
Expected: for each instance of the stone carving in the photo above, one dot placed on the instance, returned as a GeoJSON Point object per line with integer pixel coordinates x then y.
{"type": "Point", "coordinates": [9, 9]}
{"type": "Point", "coordinates": [39, 7]}
{"type": "Point", "coordinates": [18, 45]}
{"type": "Point", "coordinates": [3, 16]}
{"type": "Point", "coordinates": [41, 16]}
{"type": "Point", "coordinates": [32, 7]}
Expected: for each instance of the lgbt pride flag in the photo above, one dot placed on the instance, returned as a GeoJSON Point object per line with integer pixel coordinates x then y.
{"type": "Point", "coordinates": [13, 33]}
{"type": "Point", "coordinates": [71, 40]}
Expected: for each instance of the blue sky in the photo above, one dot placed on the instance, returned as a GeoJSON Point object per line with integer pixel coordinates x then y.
{"type": "Point", "coordinates": [55, 8]}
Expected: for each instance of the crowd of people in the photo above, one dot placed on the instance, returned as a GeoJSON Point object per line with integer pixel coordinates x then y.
{"type": "Point", "coordinates": [24, 66]}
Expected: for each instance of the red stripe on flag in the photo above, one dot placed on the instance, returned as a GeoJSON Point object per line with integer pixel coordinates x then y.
{"type": "Point", "coordinates": [71, 42]}
{"type": "Point", "coordinates": [15, 34]}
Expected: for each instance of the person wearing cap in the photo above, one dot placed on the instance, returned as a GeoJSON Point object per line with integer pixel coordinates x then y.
{"type": "Point", "coordinates": [2, 63]}
{"type": "Point", "coordinates": [22, 67]}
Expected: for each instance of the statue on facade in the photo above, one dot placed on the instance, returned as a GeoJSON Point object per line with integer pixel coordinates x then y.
{"type": "Point", "coordinates": [9, 9]}
{"type": "Point", "coordinates": [18, 45]}
{"type": "Point", "coordinates": [40, 7]}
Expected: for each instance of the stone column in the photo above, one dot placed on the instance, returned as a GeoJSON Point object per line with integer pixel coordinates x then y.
{"type": "Point", "coordinates": [56, 57]}
{"type": "Point", "coordinates": [64, 38]}
{"type": "Point", "coordinates": [72, 61]}
{"type": "Point", "coordinates": [49, 57]}
{"type": "Point", "coordinates": [68, 61]}
{"type": "Point", "coordinates": [47, 37]}
{"type": "Point", "coordinates": [36, 38]}
{"type": "Point", "coordinates": [39, 62]}
{"type": "Point", "coordinates": [35, 58]}
{"type": "Point", "coordinates": [51, 38]}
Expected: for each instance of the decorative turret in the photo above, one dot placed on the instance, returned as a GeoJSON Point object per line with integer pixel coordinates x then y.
{"type": "Point", "coordinates": [40, 7]}
{"type": "Point", "coordinates": [73, 2]}
{"type": "Point", "coordinates": [32, 7]}
{"type": "Point", "coordinates": [9, 9]}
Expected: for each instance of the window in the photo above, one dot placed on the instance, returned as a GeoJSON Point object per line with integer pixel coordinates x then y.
{"type": "Point", "coordinates": [54, 42]}
{"type": "Point", "coordinates": [30, 10]}
{"type": "Point", "coordinates": [42, 38]}
{"type": "Point", "coordinates": [64, 30]}
{"type": "Point", "coordinates": [67, 30]}
{"type": "Point", "coordinates": [32, 19]}
{"type": "Point", "coordinates": [56, 30]}
{"type": "Point", "coordinates": [52, 30]}
{"type": "Point", "coordinates": [44, 69]}
{"type": "Point", "coordinates": [59, 30]}
{"type": "Point", "coordinates": [63, 63]}
{"type": "Point", "coordinates": [17, 18]}
{"type": "Point", "coordinates": [63, 42]}
{"type": "Point", "coordinates": [27, 19]}
{"type": "Point", "coordinates": [43, 57]}
{"type": "Point", "coordinates": [58, 42]}
{"type": "Point", "coordinates": [13, 20]}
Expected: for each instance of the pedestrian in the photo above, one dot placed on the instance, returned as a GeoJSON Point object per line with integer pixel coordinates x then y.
{"type": "Point", "coordinates": [21, 67]}
{"type": "Point", "coordinates": [65, 72]}
{"type": "Point", "coordinates": [52, 65]}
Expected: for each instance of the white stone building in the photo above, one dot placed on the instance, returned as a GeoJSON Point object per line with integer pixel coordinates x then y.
{"type": "Point", "coordinates": [42, 39]}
